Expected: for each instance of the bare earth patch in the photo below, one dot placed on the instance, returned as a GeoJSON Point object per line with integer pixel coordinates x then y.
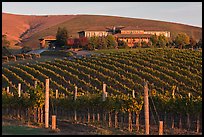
{"type": "Point", "coordinates": [65, 127]}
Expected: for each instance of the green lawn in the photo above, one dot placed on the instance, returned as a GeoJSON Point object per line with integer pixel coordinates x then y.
{"type": "Point", "coordinates": [21, 130]}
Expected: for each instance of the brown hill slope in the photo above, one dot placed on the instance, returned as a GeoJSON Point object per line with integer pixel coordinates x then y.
{"type": "Point", "coordinates": [21, 27]}
{"type": "Point", "coordinates": [75, 23]}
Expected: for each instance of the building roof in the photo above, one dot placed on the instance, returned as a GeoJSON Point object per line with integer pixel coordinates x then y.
{"type": "Point", "coordinates": [94, 28]}
{"type": "Point", "coordinates": [132, 28]}
{"type": "Point", "coordinates": [133, 35]}
{"type": "Point", "coordinates": [143, 28]}
{"type": "Point", "coordinates": [139, 28]}
{"type": "Point", "coordinates": [48, 37]}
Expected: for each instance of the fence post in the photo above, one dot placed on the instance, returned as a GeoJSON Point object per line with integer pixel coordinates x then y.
{"type": "Point", "coordinates": [36, 83]}
{"type": "Point", "coordinates": [109, 120]}
{"type": "Point", "coordinates": [75, 93]}
{"type": "Point", "coordinates": [46, 103]}
{"type": "Point", "coordinates": [130, 121]}
{"type": "Point", "coordinates": [116, 119]}
{"type": "Point", "coordinates": [160, 127]}
{"type": "Point", "coordinates": [133, 93]}
{"type": "Point", "coordinates": [75, 97]}
{"type": "Point", "coordinates": [19, 89]}
{"type": "Point", "coordinates": [53, 122]}
{"type": "Point", "coordinates": [56, 94]}
{"type": "Point", "coordinates": [7, 89]}
{"type": "Point", "coordinates": [98, 117]}
{"type": "Point", "coordinates": [188, 115]}
{"type": "Point", "coordinates": [104, 95]}
{"type": "Point", "coordinates": [146, 108]}
{"type": "Point", "coordinates": [104, 92]}
{"type": "Point", "coordinates": [198, 124]}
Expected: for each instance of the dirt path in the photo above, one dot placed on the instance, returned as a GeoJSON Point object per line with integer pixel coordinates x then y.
{"type": "Point", "coordinates": [66, 127]}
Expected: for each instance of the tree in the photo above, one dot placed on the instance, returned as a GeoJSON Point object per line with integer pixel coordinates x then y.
{"type": "Point", "coordinates": [61, 37]}
{"type": "Point", "coordinates": [122, 44]}
{"type": "Point", "coordinates": [162, 41]}
{"type": "Point", "coordinates": [144, 44]}
{"type": "Point", "coordinates": [181, 40]}
{"type": "Point", "coordinates": [70, 42]}
{"type": "Point", "coordinates": [5, 42]}
{"type": "Point", "coordinates": [93, 43]}
{"type": "Point", "coordinates": [137, 44]}
{"type": "Point", "coordinates": [154, 40]}
{"type": "Point", "coordinates": [192, 42]}
{"type": "Point", "coordinates": [76, 42]}
{"type": "Point", "coordinates": [111, 43]}
{"type": "Point", "coordinates": [102, 43]}
{"type": "Point", "coordinates": [83, 42]}
{"type": "Point", "coordinates": [200, 43]}
{"type": "Point", "coordinates": [26, 49]}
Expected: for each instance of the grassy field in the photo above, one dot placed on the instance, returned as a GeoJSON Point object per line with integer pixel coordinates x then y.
{"type": "Point", "coordinates": [21, 130]}
{"type": "Point", "coordinates": [14, 126]}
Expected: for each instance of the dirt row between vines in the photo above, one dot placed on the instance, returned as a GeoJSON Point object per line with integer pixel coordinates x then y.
{"type": "Point", "coordinates": [65, 127]}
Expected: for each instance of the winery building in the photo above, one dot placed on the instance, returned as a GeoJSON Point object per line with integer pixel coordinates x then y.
{"type": "Point", "coordinates": [131, 35]}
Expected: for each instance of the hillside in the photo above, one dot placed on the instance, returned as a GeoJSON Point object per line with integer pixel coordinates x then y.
{"type": "Point", "coordinates": [5, 51]}
{"type": "Point", "coordinates": [21, 27]}
{"type": "Point", "coordinates": [28, 29]}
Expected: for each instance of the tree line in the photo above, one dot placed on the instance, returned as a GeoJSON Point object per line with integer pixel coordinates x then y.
{"type": "Point", "coordinates": [65, 40]}
{"type": "Point", "coordinates": [180, 40]}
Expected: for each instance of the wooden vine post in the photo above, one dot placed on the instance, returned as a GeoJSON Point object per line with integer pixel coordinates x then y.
{"type": "Point", "coordinates": [19, 95]}
{"type": "Point", "coordinates": [19, 89]}
{"type": "Point", "coordinates": [7, 89]}
{"type": "Point", "coordinates": [56, 97]}
{"type": "Point", "coordinates": [56, 94]}
{"type": "Point", "coordinates": [47, 103]}
{"type": "Point", "coordinates": [188, 116]}
{"type": "Point", "coordinates": [116, 119]}
{"type": "Point", "coordinates": [75, 97]}
{"type": "Point", "coordinates": [146, 108]}
{"type": "Point", "coordinates": [104, 92]}
{"type": "Point", "coordinates": [36, 83]}
{"type": "Point", "coordinates": [53, 122]}
{"type": "Point", "coordinates": [104, 95]}
{"type": "Point", "coordinates": [198, 124]}
{"type": "Point", "coordinates": [129, 121]}
{"type": "Point", "coordinates": [160, 127]}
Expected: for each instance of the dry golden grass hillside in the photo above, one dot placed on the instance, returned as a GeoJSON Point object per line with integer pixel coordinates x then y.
{"type": "Point", "coordinates": [27, 29]}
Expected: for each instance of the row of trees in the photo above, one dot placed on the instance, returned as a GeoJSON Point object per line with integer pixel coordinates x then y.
{"type": "Point", "coordinates": [5, 42]}
{"type": "Point", "coordinates": [63, 39]}
{"type": "Point", "coordinates": [181, 40]}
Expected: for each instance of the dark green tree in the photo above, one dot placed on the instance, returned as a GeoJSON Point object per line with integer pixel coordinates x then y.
{"type": "Point", "coordinates": [93, 43]}
{"type": "Point", "coordinates": [61, 37]}
{"type": "Point", "coordinates": [181, 40]}
{"type": "Point", "coordinates": [192, 42]}
{"type": "Point", "coordinates": [122, 44]}
{"type": "Point", "coordinates": [154, 40]}
{"type": "Point", "coordinates": [102, 43]}
{"type": "Point", "coordinates": [26, 49]}
{"type": "Point", "coordinates": [200, 43]}
{"type": "Point", "coordinates": [162, 41]}
{"type": "Point", "coordinates": [111, 42]}
{"type": "Point", "coordinates": [5, 42]}
{"type": "Point", "coordinates": [137, 45]}
{"type": "Point", "coordinates": [144, 44]}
